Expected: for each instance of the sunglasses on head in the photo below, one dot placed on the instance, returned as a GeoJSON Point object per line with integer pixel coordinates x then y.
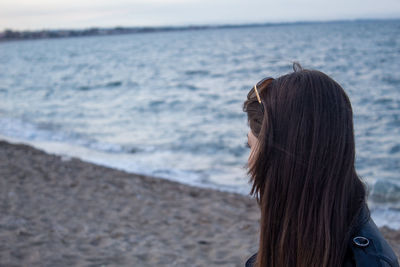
{"type": "Point", "coordinates": [257, 89]}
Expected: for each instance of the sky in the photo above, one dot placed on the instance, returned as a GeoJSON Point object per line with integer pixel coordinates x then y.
{"type": "Point", "coordinates": [78, 14]}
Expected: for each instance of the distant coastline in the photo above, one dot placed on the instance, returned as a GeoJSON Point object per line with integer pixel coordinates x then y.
{"type": "Point", "coordinates": [12, 35]}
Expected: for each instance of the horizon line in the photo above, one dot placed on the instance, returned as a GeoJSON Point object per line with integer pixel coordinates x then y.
{"type": "Point", "coordinates": [204, 25]}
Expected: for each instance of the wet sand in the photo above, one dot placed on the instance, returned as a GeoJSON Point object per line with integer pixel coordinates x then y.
{"type": "Point", "coordinates": [58, 211]}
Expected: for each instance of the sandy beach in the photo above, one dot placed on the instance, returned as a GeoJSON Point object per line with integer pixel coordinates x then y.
{"type": "Point", "coordinates": [60, 211]}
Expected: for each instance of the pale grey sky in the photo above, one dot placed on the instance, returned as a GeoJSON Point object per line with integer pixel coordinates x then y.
{"type": "Point", "coordinates": [61, 14]}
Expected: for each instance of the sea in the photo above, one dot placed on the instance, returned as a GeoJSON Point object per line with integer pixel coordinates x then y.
{"type": "Point", "coordinates": [169, 104]}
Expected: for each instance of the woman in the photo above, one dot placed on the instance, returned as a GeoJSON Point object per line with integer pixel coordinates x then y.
{"type": "Point", "coordinates": [313, 207]}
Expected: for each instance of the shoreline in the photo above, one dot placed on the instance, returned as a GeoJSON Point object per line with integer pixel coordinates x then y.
{"type": "Point", "coordinates": [8, 35]}
{"type": "Point", "coordinates": [64, 211]}
{"type": "Point", "coordinates": [91, 156]}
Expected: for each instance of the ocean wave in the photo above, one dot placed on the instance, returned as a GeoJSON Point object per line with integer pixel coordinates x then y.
{"type": "Point", "coordinates": [28, 131]}
{"type": "Point", "coordinates": [385, 191]}
{"type": "Point", "coordinates": [197, 72]}
{"type": "Point", "coordinates": [100, 86]}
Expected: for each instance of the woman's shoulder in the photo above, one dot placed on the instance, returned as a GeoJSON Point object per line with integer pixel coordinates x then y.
{"type": "Point", "coordinates": [368, 247]}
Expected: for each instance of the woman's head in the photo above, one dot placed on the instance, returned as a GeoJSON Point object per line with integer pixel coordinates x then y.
{"type": "Point", "coordinates": [302, 168]}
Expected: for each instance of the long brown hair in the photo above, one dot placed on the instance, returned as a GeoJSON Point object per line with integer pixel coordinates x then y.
{"type": "Point", "coordinates": [302, 171]}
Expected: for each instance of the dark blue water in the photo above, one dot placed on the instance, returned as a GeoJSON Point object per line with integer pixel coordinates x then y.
{"type": "Point", "coordinates": [170, 104]}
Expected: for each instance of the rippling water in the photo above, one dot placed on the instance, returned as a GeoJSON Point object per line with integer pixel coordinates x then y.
{"type": "Point", "coordinates": [170, 104]}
